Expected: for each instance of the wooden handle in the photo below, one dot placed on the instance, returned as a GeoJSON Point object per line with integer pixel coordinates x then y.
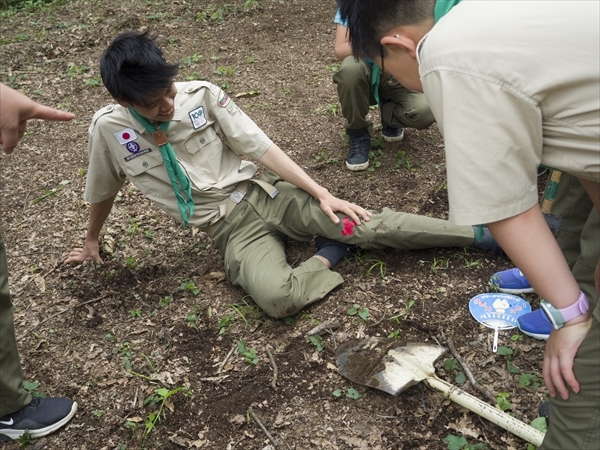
{"type": "Point", "coordinates": [509, 423]}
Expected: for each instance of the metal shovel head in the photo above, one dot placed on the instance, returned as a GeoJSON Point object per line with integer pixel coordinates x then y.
{"type": "Point", "coordinates": [386, 365]}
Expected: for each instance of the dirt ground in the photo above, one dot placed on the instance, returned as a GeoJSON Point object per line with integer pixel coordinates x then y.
{"type": "Point", "coordinates": [121, 338]}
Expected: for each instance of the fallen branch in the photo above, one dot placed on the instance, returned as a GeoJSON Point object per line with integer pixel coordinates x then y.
{"type": "Point", "coordinates": [262, 427]}
{"type": "Point", "coordinates": [470, 376]}
{"type": "Point", "coordinates": [226, 359]}
{"type": "Point", "coordinates": [324, 327]}
{"type": "Point", "coordinates": [275, 370]}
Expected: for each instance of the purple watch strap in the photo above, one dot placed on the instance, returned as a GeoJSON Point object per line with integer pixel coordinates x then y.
{"type": "Point", "coordinates": [578, 308]}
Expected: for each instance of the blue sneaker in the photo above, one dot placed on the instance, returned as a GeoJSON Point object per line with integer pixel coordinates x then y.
{"type": "Point", "coordinates": [511, 281]}
{"type": "Point", "coordinates": [535, 324]}
{"type": "Point", "coordinates": [391, 134]}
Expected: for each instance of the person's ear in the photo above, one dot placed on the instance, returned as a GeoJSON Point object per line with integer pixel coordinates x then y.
{"type": "Point", "coordinates": [400, 42]}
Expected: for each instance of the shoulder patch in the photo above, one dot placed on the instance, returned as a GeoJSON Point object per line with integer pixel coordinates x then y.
{"type": "Point", "coordinates": [224, 99]}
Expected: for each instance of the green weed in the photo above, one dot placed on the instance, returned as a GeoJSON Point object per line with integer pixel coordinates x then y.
{"type": "Point", "coordinates": [318, 342]}
{"type": "Point", "coordinates": [362, 312]}
{"type": "Point", "coordinates": [248, 353]}
{"type": "Point", "coordinates": [350, 393]}
{"type": "Point", "coordinates": [460, 443]}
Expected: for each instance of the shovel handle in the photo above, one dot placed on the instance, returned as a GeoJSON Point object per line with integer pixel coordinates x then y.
{"type": "Point", "coordinates": [509, 423]}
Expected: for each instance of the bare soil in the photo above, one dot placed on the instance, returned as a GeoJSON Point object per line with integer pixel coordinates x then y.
{"type": "Point", "coordinates": [159, 312]}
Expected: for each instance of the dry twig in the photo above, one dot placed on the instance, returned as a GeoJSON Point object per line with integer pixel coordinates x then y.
{"type": "Point", "coordinates": [324, 327]}
{"type": "Point", "coordinates": [468, 372]}
{"type": "Point", "coordinates": [262, 427]}
{"type": "Point", "coordinates": [226, 359]}
{"type": "Point", "coordinates": [275, 370]}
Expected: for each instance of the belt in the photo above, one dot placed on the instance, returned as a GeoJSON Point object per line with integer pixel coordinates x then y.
{"type": "Point", "coordinates": [236, 196]}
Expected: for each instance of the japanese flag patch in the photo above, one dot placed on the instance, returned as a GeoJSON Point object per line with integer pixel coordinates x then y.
{"type": "Point", "coordinates": [125, 136]}
{"type": "Point", "coordinates": [197, 117]}
{"type": "Point", "coordinates": [224, 100]}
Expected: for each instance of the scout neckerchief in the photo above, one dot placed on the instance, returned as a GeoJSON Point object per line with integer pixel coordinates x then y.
{"type": "Point", "coordinates": [179, 181]}
{"type": "Point", "coordinates": [375, 80]}
{"type": "Point", "coordinates": [442, 7]}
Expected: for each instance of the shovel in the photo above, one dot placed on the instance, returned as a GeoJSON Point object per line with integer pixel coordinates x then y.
{"type": "Point", "coordinates": [382, 364]}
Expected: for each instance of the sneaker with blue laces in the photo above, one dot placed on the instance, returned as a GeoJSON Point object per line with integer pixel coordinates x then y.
{"type": "Point", "coordinates": [358, 153]}
{"type": "Point", "coordinates": [511, 281]}
{"type": "Point", "coordinates": [41, 417]}
{"type": "Point", "coordinates": [535, 324]}
{"type": "Point", "coordinates": [391, 134]}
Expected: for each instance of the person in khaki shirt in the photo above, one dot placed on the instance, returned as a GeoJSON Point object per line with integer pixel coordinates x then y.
{"type": "Point", "coordinates": [514, 85]}
{"type": "Point", "coordinates": [182, 144]}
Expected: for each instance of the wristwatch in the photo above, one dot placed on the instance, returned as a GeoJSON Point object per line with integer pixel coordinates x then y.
{"type": "Point", "coordinates": [558, 317]}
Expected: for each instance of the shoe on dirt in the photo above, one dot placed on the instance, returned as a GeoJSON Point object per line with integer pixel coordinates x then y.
{"type": "Point", "coordinates": [332, 250]}
{"type": "Point", "coordinates": [391, 134]}
{"type": "Point", "coordinates": [358, 153]}
{"type": "Point", "coordinates": [511, 281]}
{"type": "Point", "coordinates": [535, 324]}
{"type": "Point", "coordinates": [41, 417]}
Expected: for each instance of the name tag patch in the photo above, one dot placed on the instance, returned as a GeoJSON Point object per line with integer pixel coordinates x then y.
{"type": "Point", "coordinates": [139, 153]}
{"type": "Point", "coordinates": [197, 117]}
{"type": "Point", "coordinates": [125, 136]}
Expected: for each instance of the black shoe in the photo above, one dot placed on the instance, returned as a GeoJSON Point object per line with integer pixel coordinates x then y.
{"type": "Point", "coordinates": [391, 134]}
{"type": "Point", "coordinates": [544, 411]}
{"type": "Point", "coordinates": [41, 417]}
{"type": "Point", "coordinates": [332, 250]}
{"type": "Point", "coordinates": [358, 153]}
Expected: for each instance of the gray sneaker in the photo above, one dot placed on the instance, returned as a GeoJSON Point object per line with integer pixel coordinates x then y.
{"type": "Point", "coordinates": [358, 153]}
{"type": "Point", "coordinates": [41, 417]}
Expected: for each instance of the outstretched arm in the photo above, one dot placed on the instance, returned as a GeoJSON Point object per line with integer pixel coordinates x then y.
{"type": "Point", "coordinates": [91, 247]}
{"type": "Point", "coordinates": [15, 110]}
{"type": "Point", "coordinates": [280, 163]}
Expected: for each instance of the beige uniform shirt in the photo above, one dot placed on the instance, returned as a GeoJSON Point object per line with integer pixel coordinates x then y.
{"type": "Point", "coordinates": [208, 134]}
{"type": "Point", "coordinates": [513, 84]}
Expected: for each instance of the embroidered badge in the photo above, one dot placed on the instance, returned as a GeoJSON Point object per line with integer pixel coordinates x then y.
{"type": "Point", "coordinates": [139, 153]}
{"type": "Point", "coordinates": [125, 136]}
{"type": "Point", "coordinates": [132, 147]}
{"type": "Point", "coordinates": [197, 117]}
{"type": "Point", "coordinates": [224, 100]}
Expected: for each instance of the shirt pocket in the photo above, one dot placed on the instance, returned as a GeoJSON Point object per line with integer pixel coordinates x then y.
{"type": "Point", "coordinates": [143, 163]}
{"type": "Point", "coordinates": [201, 142]}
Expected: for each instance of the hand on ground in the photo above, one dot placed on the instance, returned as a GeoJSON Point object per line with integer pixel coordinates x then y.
{"type": "Point", "coordinates": [89, 252]}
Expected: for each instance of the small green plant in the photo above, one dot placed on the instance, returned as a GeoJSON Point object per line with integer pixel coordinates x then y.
{"type": "Point", "coordinates": [334, 108]}
{"type": "Point", "coordinates": [25, 440]}
{"type": "Point", "coordinates": [189, 286]}
{"type": "Point", "coordinates": [403, 161]}
{"type": "Point", "coordinates": [460, 443]}
{"type": "Point", "coordinates": [225, 323]}
{"type": "Point", "coordinates": [248, 353]}
{"type": "Point", "coordinates": [333, 67]}
{"type": "Point", "coordinates": [98, 413]}
{"type": "Point", "coordinates": [530, 380]}
{"type": "Point", "coordinates": [350, 393]}
{"type": "Point", "coordinates": [74, 70]}
{"type": "Point", "coordinates": [452, 367]}
{"type": "Point", "coordinates": [362, 312]}
{"type": "Point", "coordinates": [111, 273]}
{"type": "Point", "coordinates": [224, 71]}
{"type": "Point", "coordinates": [508, 353]}
{"type": "Point", "coordinates": [131, 263]}
{"type": "Point", "coordinates": [192, 59]}
{"type": "Point", "coordinates": [133, 227]}
{"type": "Point", "coordinates": [193, 316]}
{"type": "Point", "coordinates": [125, 351]}
{"type": "Point", "coordinates": [135, 312]}
{"type": "Point", "coordinates": [375, 156]}
{"type": "Point", "coordinates": [441, 263]}
{"type": "Point", "coordinates": [322, 157]}
{"type": "Point", "coordinates": [93, 82]}
{"type": "Point", "coordinates": [32, 389]}
{"type": "Point", "coordinates": [109, 337]}
{"type": "Point", "coordinates": [51, 192]}
{"type": "Point", "coordinates": [503, 402]}
{"type": "Point", "coordinates": [148, 235]}
{"type": "Point", "coordinates": [249, 314]}
{"type": "Point", "coordinates": [318, 342]}
{"type": "Point", "coordinates": [165, 301]}
{"type": "Point", "coordinates": [540, 424]}
{"type": "Point", "coordinates": [251, 60]}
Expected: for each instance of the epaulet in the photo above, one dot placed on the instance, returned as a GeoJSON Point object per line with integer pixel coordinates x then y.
{"type": "Point", "coordinates": [194, 86]}
{"type": "Point", "coordinates": [101, 112]}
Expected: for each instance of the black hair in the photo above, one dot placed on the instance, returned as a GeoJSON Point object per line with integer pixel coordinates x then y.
{"type": "Point", "coordinates": [369, 20]}
{"type": "Point", "coordinates": [134, 70]}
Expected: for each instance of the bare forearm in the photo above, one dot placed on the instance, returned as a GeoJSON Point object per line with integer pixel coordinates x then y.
{"type": "Point", "coordinates": [527, 240]}
{"type": "Point", "coordinates": [98, 214]}
{"type": "Point", "coordinates": [280, 163]}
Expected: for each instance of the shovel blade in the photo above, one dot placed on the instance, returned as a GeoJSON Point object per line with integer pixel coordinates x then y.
{"type": "Point", "coordinates": [385, 365]}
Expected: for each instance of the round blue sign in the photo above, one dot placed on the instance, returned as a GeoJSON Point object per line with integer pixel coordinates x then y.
{"type": "Point", "coordinates": [133, 147]}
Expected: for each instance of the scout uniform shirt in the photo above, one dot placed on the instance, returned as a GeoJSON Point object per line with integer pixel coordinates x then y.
{"type": "Point", "coordinates": [208, 133]}
{"type": "Point", "coordinates": [513, 85]}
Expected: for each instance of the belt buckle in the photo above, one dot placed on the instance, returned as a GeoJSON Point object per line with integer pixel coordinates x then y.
{"type": "Point", "coordinates": [236, 196]}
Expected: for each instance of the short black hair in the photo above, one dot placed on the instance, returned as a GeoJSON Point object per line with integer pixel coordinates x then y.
{"type": "Point", "coordinates": [369, 20]}
{"type": "Point", "coordinates": [134, 70]}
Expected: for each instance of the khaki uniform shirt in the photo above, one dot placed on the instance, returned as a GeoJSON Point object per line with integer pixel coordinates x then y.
{"type": "Point", "coordinates": [513, 85]}
{"type": "Point", "coordinates": [208, 134]}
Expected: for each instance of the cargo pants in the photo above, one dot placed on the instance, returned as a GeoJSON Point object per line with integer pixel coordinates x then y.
{"type": "Point", "coordinates": [251, 243]}
{"type": "Point", "coordinates": [12, 395]}
{"type": "Point", "coordinates": [575, 423]}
